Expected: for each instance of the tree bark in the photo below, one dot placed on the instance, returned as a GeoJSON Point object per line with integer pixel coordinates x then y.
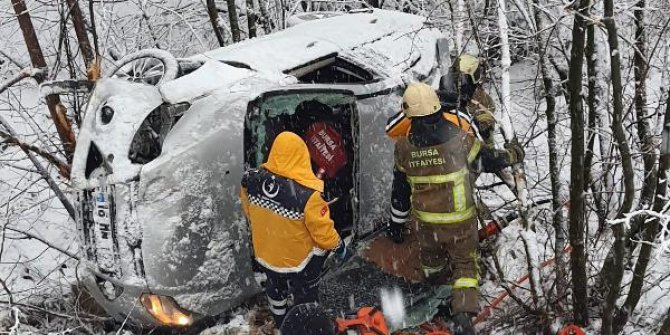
{"type": "Point", "coordinates": [576, 213]}
{"type": "Point", "coordinates": [558, 219]}
{"type": "Point", "coordinates": [234, 20]}
{"type": "Point", "coordinates": [56, 109]}
{"type": "Point", "coordinates": [644, 127]}
{"type": "Point", "coordinates": [459, 27]}
{"type": "Point", "coordinates": [635, 291]}
{"type": "Point", "coordinates": [214, 19]}
{"type": "Point", "coordinates": [665, 328]}
{"type": "Point", "coordinates": [251, 18]}
{"type": "Point", "coordinates": [266, 20]}
{"type": "Point", "coordinates": [614, 273]}
{"type": "Point", "coordinates": [593, 101]}
{"type": "Point", "coordinates": [80, 31]}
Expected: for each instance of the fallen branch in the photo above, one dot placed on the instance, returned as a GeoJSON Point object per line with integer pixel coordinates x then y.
{"type": "Point", "coordinates": [509, 292]}
{"type": "Point", "coordinates": [488, 310]}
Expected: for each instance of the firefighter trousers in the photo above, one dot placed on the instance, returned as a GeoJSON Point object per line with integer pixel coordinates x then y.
{"type": "Point", "coordinates": [304, 286]}
{"type": "Point", "coordinates": [452, 247]}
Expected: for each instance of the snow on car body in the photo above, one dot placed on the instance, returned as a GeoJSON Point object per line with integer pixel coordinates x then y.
{"type": "Point", "coordinates": [157, 167]}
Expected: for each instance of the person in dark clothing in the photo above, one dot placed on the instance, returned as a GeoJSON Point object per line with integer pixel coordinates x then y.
{"type": "Point", "coordinates": [432, 186]}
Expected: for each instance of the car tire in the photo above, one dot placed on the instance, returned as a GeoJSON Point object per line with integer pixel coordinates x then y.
{"type": "Point", "coordinates": [149, 66]}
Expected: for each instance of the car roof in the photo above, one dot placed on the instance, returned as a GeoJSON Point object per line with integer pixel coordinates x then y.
{"type": "Point", "coordinates": [311, 40]}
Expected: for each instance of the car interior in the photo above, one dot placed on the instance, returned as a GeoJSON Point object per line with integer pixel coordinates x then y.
{"type": "Point", "coordinates": [296, 112]}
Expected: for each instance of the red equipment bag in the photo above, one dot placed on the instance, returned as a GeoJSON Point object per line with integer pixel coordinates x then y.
{"type": "Point", "coordinates": [326, 148]}
{"type": "Point", "coordinates": [367, 321]}
{"type": "Point", "coordinates": [572, 330]}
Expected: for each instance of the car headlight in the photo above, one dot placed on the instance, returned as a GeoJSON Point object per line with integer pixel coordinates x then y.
{"type": "Point", "coordinates": [166, 310]}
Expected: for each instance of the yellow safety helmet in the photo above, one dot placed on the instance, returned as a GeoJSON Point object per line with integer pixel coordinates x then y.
{"type": "Point", "coordinates": [468, 64]}
{"type": "Point", "coordinates": [420, 99]}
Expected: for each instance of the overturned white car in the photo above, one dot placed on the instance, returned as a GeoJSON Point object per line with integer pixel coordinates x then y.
{"type": "Point", "coordinates": [165, 141]}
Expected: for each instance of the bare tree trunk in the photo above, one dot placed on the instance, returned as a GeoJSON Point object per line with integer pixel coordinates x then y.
{"type": "Point", "coordinates": [640, 271]}
{"type": "Point", "coordinates": [251, 18]}
{"type": "Point", "coordinates": [665, 328]}
{"type": "Point", "coordinates": [214, 19]}
{"type": "Point", "coordinates": [594, 127]}
{"type": "Point", "coordinates": [80, 30]}
{"type": "Point", "coordinates": [576, 213]}
{"type": "Point", "coordinates": [613, 274]}
{"type": "Point", "coordinates": [234, 20]}
{"type": "Point", "coordinates": [459, 27]}
{"type": "Point", "coordinates": [593, 102]}
{"type": "Point", "coordinates": [558, 220]}
{"type": "Point", "coordinates": [518, 168]}
{"type": "Point", "coordinates": [374, 3]}
{"type": "Point", "coordinates": [644, 127]}
{"type": "Point", "coordinates": [266, 20]}
{"type": "Point", "coordinates": [56, 109]}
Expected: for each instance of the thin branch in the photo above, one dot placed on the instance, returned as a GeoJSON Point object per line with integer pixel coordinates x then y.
{"type": "Point", "coordinates": [28, 72]}
{"type": "Point", "coordinates": [63, 167]}
{"type": "Point", "coordinates": [45, 242]}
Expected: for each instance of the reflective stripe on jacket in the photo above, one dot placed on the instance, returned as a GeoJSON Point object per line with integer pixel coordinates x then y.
{"type": "Point", "coordinates": [290, 221]}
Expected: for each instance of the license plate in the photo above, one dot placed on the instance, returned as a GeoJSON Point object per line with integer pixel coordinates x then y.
{"type": "Point", "coordinates": [104, 241]}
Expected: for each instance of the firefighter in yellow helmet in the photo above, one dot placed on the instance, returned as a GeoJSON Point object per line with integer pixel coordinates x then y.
{"type": "Point", "coordinates": [463, 86]}
{"type": "Point", "coordinates": [432, 187]}
{"type": "Point", "coordinates": [465, 103]}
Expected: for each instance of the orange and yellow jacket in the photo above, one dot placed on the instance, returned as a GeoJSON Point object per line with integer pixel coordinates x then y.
{"type": "Point", "coordinates": [398, 125]}
{"type": "Point", "coordinates": [290, 221]}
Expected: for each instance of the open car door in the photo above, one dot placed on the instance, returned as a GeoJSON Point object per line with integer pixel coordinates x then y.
{"type": "Point", "coordinates": [326, 119]}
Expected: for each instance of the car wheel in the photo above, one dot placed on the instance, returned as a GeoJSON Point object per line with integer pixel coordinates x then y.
{"type": "Point", "coordinates": [150, 66]}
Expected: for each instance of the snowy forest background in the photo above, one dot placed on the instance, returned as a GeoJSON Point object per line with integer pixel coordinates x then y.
{"type": "Point", "coordinates": [586, 86]}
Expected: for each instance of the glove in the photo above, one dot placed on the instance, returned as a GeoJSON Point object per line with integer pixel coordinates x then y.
{"type": "Point", "coordinates": [462, 324]}
{"type": "Point", "coordinates": [515, 152]}
{"type": "Point", "coordinates": [395, 232]}
{"type": "Point", "coordinates": [485, 120]}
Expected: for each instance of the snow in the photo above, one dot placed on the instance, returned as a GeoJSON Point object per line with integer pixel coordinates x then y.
{"type": "Point", "coordinates": [237, 326]}
{"type": "Point", "coordinates": [210, 76]}
{"type": "Point", "coordinates": [312, 40]}
{"type": "Point", "coordinates": [393, 306]}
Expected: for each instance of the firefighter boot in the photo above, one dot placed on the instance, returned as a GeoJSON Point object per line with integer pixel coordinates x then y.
{"type": "Point", "coordinates": [461, 324]}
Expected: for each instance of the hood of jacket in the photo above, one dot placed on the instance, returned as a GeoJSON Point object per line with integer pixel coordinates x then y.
{"type": "Point", "coordinates": [290, 159]}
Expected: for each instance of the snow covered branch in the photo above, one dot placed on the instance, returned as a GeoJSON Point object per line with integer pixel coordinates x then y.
{"type": "Point", "coordinates": [63, 167]}
{"type": "Point", "coordinates": [663, 220]}
{"type": "Point", "coordinates": [28, 72]}
{"type": "Point", "coordinates": [53, 184]}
